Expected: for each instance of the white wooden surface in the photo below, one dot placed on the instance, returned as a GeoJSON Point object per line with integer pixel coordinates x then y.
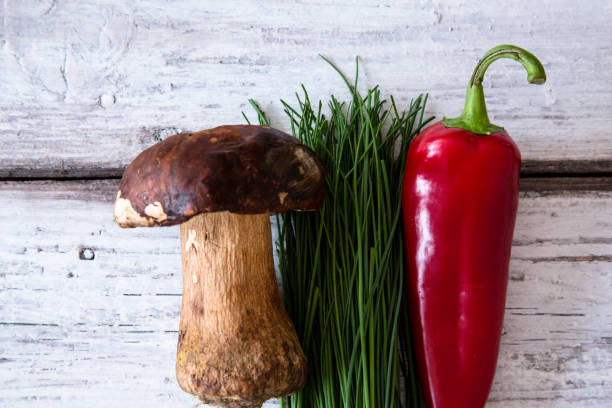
{"type": "Point", "coordinates": [102, 332]}
{"type": "Point", "coordinates": [88, 84]}
{"type": "Point", "coordinates": [89, 312]}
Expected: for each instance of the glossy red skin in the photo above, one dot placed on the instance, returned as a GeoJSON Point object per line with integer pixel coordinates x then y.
{"type": "Point", "coordinates": [460, 197]}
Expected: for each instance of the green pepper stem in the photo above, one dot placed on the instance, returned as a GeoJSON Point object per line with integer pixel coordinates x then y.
{"type": "Point", "coordinates": [474, 117]}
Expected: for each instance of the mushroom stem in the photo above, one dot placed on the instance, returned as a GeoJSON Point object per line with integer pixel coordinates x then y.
{"type": "Point", "coordinates": [237, 346]}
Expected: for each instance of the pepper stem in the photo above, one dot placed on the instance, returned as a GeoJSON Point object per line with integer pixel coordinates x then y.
{"type": "Point", "coordinates": [474, 117]}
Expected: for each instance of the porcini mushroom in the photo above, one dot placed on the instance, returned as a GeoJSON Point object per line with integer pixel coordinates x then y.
{"type": "Point", "coordinates": [237, 346]}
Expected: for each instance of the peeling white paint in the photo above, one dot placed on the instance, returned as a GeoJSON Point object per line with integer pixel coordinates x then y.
{"type": "Point", "coordinates": [107, 326]}
{"type": "Point", "coordinates": [89, 84]}
{"type": "Point", "coordinates": [73, 58]}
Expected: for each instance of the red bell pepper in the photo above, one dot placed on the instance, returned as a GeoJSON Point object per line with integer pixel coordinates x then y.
{"type": "Point", "coordinates": [460, 196]}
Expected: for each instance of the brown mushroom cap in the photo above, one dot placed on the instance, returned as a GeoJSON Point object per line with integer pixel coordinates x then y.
{"type": "Point", "coordinates": [240, 168]}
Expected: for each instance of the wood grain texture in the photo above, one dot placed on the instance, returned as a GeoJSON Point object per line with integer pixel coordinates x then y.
{"type": "Point", "coordinates": [556, 185]}
{"type": "Point", "coordinates": [89, 313]}
{"type": "Point", "coordinates": [90, 84]}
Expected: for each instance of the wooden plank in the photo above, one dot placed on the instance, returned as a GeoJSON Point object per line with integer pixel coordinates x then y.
{"type": "Point", "coordinates": [556, 349]}
{"type": "Point", "coordinates": [89, 312]}
{"type": "Point", "coordinates": [90, 84]}
{"type": "Point", "coordinates": [529, 170]}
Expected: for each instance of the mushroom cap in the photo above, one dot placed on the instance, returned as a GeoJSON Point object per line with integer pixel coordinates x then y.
{"type": "Point", "coordinates": [243, 169]}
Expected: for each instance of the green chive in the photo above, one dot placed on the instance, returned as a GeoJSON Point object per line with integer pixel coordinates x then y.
{"type": "Point", "coordinates": [342, 266]}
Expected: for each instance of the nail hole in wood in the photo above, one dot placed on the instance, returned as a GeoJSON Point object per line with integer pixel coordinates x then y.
{"type": "Point", "coordinates": [86, 254]}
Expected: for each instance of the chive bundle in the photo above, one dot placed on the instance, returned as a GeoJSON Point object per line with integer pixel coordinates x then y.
{"type": "Point", "coordinates": [342, 266]}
